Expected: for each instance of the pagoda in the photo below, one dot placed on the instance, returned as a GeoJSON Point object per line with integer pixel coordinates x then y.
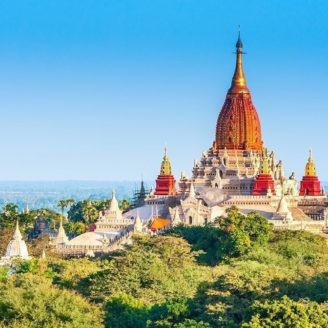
{"type": "Point", "coordinates": [310, 184]}
{"type": "Point", "coordinates": [234, 161]}
{"type": "Point", "coordinates": [165, 182]}
{"type": "Point", "coordinates": [16, 248]}
{"type": "Point", "coordinates": [237, 170]}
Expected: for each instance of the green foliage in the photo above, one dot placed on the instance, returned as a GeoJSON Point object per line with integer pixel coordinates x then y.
{"type": "Point", "coordinates": [9, 215]}
{"type": "Point", "coordinates": [244, 232]}
{"type": "Point", "coordinates": [5, 236]}
{"type": "Point", "coordinates": [152, 269]}
{"type": "Point", "coordinates": [233, 236]}
{"type": "Point", "coordinates": [125, 311]}
{"type": "Point", "coordinates": [300, 248]}
{"type": "Point", "coordinates": [71, 273]}
{"type": "Point", "coordinates": [84, 211]}
{"type": "Point", "coordinates": [124, 205]}
{"type": "Point", "coordinates": [168, 314]}
{"type": "Point", "coordinates": [64, 203]}
{"type": "Point", "coordinates": [31, 301]}
{"type": "Point", "coordinates": [189, 323]}
{"type": "Point", "coordinates": [286, 313]}
{"type": "Point", "coordinates": [3, 273]}
{"type": "Point", "coordinates": [75, 228]}
{"type": "Point", "coordinates": [237, 273]}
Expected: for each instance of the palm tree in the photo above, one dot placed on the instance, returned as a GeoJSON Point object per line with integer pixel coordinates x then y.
{"type": "Point", "coordinates": [90, 213]}
{"type": "Point", "coordinates": [64, 203]}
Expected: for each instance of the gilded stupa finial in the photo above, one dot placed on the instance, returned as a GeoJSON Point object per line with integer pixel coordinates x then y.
{"type": "Point", "coordinates": [265, 167]}
{"type": "Point", "coordinates": [310, 169]}
{"type": "Point", "coordinates": [238, 84]}
{"type": "Point", "coordinates": [166, 165]}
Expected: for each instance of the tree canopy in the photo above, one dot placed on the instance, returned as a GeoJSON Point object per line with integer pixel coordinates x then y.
{"type": "Point", "coordinates": [235, 273]}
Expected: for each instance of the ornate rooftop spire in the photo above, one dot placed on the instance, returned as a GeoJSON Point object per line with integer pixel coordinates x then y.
{"type": "Point", "coordinates": [17, 234]}
{"type": "Point", "coordinates": [265, 167]}
{"type": "Point", "coordinates": [238, 84]}
{"type": "Point", "coordinates": [142, 189]}
{"type": "Point", "coordinates": [310, 184]}
{"type": "Point", "coordinates": [61, 236]}
{"type": "Point", "coordinates": [166, 165]}
{"type": "Point", "coordinates": [192, 192]}
{"type": "Point", "coordinates": [138, 226]}
{"type": "Point", "coordinates": [113, 203]}
{"type": "Point", "coordinates": [176, 217]}
{"type": "Point", "coordinates": [165, 182]}
{"type": "Point", "coordinates": [310, 169]}
{"type": "Point", "coordinates": [238, 126]}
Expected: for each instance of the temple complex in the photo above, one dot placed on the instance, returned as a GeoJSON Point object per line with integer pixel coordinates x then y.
{"type": "Point", "coordinates": [238, 170]}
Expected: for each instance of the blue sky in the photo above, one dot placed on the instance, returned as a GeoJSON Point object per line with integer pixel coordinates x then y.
{"type": "Point", "coordinates": [96, 89]}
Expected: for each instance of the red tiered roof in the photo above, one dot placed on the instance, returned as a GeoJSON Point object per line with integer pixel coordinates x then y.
{"type": "Point", "coordinates": [165, 183]}
{"type": "Point", "coordinates": [262, 184]}
{"type": "Point", "coordinates": [310, 184]}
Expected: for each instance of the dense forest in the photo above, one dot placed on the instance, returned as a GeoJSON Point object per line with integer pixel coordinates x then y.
{"type": "Point", "coordinates": [237, 272]}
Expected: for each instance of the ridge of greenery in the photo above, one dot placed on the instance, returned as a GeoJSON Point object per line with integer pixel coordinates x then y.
{"type": "Point", "coordinates": [235, 273]}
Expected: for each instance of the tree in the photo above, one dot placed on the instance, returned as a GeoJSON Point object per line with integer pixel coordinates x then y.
{"type": "Point", "coordinates": [9, 215]}
{"type": "Point", "coordinates": [28, 300]}
{"type": "Point", "coordinates": [125, 311]}
{"type": "Point", "coordinates": [125, 205]}
{"type": "Point", "coordinates": [64, 203]}
{"type": "Point", "coordinates": [233, 235]}
{"type": "Point", "coordinates": [286, 313]}
{"type": "Point", "coordinates": [83, 211]}
{"type": "Point", "coordinates": [151, 269]}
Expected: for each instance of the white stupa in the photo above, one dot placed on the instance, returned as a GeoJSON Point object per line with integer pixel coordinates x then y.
{"type": "Point", "coordinates": [138, 226]}
{"type": "Point", "coordinates": [16, 248]}
{"type": "Point", "coordinates": [283, 212]}
{"type": "Point", "coordinates": [61, 237]}
{"type": "Point", "coordinates": [175, 218]}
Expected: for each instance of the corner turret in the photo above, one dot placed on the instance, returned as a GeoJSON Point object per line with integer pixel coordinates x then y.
{"type": "Point", "coordinates": [310, 184]}
{"type": "Point", "coordinates": [165, 182]}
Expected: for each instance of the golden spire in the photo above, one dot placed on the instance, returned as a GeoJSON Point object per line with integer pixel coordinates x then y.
{"type": "Point", "coordinates": [310, 170]}
{"type": "Point", "coordinates": [238, 84]}
{"type": "Point", "coordinates": [265, 167]}
{"type": "Point", "coordinates": [166, 165]}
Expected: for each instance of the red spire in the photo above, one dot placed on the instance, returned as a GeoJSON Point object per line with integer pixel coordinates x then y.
{"type": "Point", "coordinates": [238, 125]}
{"type": "Point", "coordinates": [165, 182]}
{"type": "Point", "coordinates": [310, 184]}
